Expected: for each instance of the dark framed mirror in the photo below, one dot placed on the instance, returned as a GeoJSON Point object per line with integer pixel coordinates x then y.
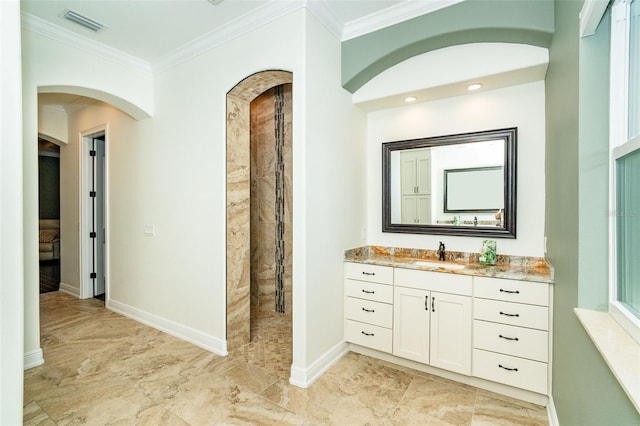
{"type": "Point", "coordinates": [463, 184]}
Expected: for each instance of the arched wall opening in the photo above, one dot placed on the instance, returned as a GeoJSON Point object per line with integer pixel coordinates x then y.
{"type": "Point", "coordinates": [126, 106]}
{"type": "Point", "coordinates": [239, 193]}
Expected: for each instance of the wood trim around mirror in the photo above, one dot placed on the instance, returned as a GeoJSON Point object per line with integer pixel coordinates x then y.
{"type": "Point", "coordinates": [508, 230]}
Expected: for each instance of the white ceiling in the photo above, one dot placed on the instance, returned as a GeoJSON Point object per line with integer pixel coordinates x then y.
{"type": "Point", "coordinates": [152, 29]}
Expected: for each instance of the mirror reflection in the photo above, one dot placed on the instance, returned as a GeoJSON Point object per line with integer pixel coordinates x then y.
{"type": "Point", "coordinates": [460, 184]}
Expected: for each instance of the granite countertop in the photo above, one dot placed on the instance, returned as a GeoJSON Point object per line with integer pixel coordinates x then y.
{"type": "Point", "coordinates": [510, 267]}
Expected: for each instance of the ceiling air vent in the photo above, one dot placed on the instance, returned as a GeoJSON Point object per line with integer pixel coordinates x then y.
{"type": "Point", "coordinates": [83, 20]}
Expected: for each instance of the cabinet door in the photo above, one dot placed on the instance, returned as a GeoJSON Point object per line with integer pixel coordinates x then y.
{"type": "Point", "coordinates": [451, 324]}
{"type": "Point", "coordinates": [423, 178]}
{"type": "Point", "coordinates": [408, 173]}
{"type": "Point", "coordinates": [424, 209]}
{"type": "Point", "coordinates": [411, 324]}
{"type": "Point", "coordinates": [409, 208]}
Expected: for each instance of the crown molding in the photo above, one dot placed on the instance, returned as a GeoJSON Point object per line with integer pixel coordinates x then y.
{"type": "Point", "coordinates": [58, 33]}
{"type": "Point", "coordinates": [53, 108]}
{"type": "Point", "coordinates": [591, 15]}
{"type": "Point", "coordinates": [401, 12]}
{"type": "Point", "coordinates": [257, 18]}
{"type": "Point", "coordinates": [326, 17]}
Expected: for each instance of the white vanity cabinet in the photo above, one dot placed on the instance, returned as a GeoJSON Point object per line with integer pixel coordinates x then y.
{"type": "Point", "coordinates": [493, 329]}
{"type": "Point", "coordinates": [432, 319]}
{"type": "Point", "coordinates": [368, 305]}
{"type": "Point", "coordinates": [511, 332]}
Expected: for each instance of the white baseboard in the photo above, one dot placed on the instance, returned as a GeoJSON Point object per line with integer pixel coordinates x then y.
{"type": "Point", "coordinates": [551, 413]}
{"type": "Point", "coordinates": [304, 377]}
{"type": "Point", "coordinates": [33, 359]}
{"type": "Point", "coordinates": [69, 289]}
{"type": "Point", "coordinates": [191, 335]}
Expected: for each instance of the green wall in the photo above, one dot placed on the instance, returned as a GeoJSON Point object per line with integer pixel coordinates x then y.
{"type": "Point", "coordinates": [593, 168]}
{"type": "Point", "coordinates": [472, 21]}
{"type": "Point", "coordinates": [584, 390]}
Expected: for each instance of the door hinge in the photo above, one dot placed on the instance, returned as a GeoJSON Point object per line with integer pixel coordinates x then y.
{"type": "Point", "coordinates": [93, 275]}
{"type": "Point", "coordinates": [92, 235]}
{"type": "Point", "coordinates": [92, 194]}
{"type": "Point", "coordinates": [92, 153]}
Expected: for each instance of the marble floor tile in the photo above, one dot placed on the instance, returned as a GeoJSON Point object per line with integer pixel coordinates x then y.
{"type": "Point", "coordinates": [104, 369]}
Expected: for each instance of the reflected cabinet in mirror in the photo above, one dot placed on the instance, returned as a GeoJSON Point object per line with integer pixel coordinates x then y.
{"type": "Point", "coordinates": [461, 184]}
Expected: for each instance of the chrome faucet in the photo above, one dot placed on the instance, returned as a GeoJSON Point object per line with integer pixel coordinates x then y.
{"type": "Point", "coordinates": [441, 251]}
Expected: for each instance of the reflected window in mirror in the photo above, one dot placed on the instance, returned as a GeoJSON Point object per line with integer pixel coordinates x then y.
{"type": "Point", "coordinates": [461, 184]}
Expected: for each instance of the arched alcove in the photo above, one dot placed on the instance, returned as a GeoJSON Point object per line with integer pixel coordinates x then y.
{"type": "Point", "coordinates": [238, 263]}
{"type": "Point", "coordinates": [487, 21]}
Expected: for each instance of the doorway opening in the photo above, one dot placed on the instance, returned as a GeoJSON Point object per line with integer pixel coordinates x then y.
{"type": "Point", "coordinates": [259, 220]}
{"type": "Point", "coordinates": [94, 218]}
{"type": "Point", "coordinates": [49, 215]}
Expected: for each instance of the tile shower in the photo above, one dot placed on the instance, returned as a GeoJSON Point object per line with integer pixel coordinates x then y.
{"type": "Point", "coordinates": [270, 212]}
{"type": "Point", "coordinates": [259, 232]}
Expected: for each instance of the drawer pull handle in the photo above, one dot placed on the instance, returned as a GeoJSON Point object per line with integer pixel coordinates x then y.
{"type": "Point", "coordinates": [509, 315]}
{"type": "Point", "coordinates": [507, 368]}
{"type": "Point", "coordinates": [426, 303]}
{"type": "Point", "coordinates": [368, 273]}
{"type": "Point", "coordinates": [433, 300]}
{"type": "Point", "coordinates": [368, 292]}
{"type": "Point", "coordinates": [366, 334]}
{"type": "Point", "coordinates": [368, 310]}
{"type": "Point", "coordinates": [509, 291]}
{"type": "Point", "coordinates": [508, 338]}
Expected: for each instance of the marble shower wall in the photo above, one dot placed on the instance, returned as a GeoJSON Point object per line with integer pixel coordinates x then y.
{"type": "Point", "coordinates": [263, 201]}
{"type": "Point", "coordinates": [238, 201]}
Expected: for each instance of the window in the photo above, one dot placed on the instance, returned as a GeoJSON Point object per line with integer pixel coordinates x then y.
{"type": "Point", "coordinates": [625, 153]}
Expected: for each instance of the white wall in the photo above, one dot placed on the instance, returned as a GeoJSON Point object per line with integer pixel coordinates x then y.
{"type": "Point", "coordinates": [11, 254]}
{"type": "Point", "coordinates": [334, 197]}
{"type": "Point", "coordinates": [517, 106]}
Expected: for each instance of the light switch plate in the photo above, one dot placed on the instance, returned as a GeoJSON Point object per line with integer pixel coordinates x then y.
{"type": "Point", "coordinates": [149, 230]}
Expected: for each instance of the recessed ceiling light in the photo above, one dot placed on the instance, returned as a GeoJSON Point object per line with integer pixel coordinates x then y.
{"type": "Point", "coordinates": [474, 86]}
{"type": "Point", "coordinates": [410, 99]}
{"type": "Point", "coordinates": [215, 2]}
{"type": "Point", "coordinates": [83, 20]}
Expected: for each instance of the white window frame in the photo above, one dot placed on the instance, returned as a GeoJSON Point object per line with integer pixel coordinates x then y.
{"type": "Point", "coordinates": [620, 145]}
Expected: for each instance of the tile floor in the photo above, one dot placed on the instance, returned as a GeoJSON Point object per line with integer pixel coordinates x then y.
{"type": "Point", "coordinates": [102, 368]}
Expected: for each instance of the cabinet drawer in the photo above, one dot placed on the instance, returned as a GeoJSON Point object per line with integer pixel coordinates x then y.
{"type": "Point", "coordinates": [375, 313]}
{"type": "Point", "coordinates": [518, 372]}
{"type": "Point", "coordinates": [511, 290]}
{"type": "Point", "coordinates": [368, 335]}
{"type": "Point", "coordinates": [434, 281]}
{"type": "Point", "coordinates": [512, 313]}
{"type": "Point", "coordinates": [368, 290]}
{"type": "Point", "coordinates": [365, 272]}
{"type": "Point", "coordinates": [511, 340]}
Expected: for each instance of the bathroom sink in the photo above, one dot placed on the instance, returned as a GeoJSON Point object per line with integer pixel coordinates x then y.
{"type": "Point", "coordinates": [438, 264]}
